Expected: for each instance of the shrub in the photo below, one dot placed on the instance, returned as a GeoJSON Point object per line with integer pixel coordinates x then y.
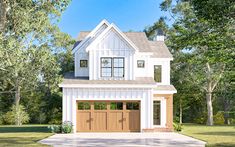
{"type": "Point", "coordinates": [16, 115]}
{"type": "Point", "coordinates": [232, 121]}
{"type": "Point", "coordinates": [177, 127]}
{"type": "Point", "coordinates": [41, 118]}
{"type": "Point", "coordinates": [55, 128]}
{"type": "Point", "coordinates": [67, 127]}
{"type": "Point", "coordinates": [219, 118]}
{"type": "Point", "coordinates": [55, 121]}
{"type": "Point", "coordinates": [1, 119]}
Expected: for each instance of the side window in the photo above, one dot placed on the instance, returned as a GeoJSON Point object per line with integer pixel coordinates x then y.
{"type": "Point", "coordinates": [158, 73]}
{"type": "Point", "coordinates": [83, 63]}
{"type": "Point", "coordinates": [156, 112]}
{"type": "Point", "coordinates": [140, 63]}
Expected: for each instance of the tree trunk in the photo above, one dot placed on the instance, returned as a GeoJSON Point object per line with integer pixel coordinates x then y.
{"type": "Point", "coordinates": [210, 121]}
{"type": "Point", "coordinates": [3, 12]}
{"type": "Point", "coordinates": [17, 103]}
{"type": "Point", "coordinates": [181, 112]}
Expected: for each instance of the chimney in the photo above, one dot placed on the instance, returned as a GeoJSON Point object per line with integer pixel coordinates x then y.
{"type": "Point", "coordinates": [159, 35]}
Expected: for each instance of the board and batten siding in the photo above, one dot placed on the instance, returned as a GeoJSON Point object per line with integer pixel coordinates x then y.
{"type": "Point", "coordinates": [144, 95]}
{"type": "Point", "coordinates": [112, 45]}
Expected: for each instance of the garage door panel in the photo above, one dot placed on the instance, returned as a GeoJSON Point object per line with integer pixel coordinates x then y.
{"type": "Point", "coordinates": [100, 121]}
{"type": "Point", "coordinates": [115, 121]}
{"type": "Point", "coordinates": [133, 120]}
{"type": "Point", "coordinates": [84, 121]}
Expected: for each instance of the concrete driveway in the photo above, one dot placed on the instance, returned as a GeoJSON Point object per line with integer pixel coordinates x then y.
{"type": "Point", "coordinates": [123, 139]}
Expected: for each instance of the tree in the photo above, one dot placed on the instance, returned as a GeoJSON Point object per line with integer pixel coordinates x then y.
{"type": "Point", "coordinates": [29, 38]}
{"type": "Point", "coordinates": [210, 42]}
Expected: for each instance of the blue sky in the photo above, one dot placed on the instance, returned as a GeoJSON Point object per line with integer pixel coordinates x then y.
{"type": "Point", "coordinates": [84, 15]}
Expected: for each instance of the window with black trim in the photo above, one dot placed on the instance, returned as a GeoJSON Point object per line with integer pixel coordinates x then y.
{"type": "Point", "coordinates": [112, 67]}
{"type": "Point", "coordinates": [140, 63]}
{"type": "Point", "coordinates": [118, 67]}
{"type": "Point", "coordinates": [83, 63]}
{"type": "Point", "coordinates": [106, 67]}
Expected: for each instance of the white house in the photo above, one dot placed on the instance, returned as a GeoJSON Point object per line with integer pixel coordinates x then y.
{"type": "Point", "coordinates": [121, 83]}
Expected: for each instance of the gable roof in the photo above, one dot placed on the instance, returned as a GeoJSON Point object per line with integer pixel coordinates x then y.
{"type": "Point", "coordinates": [158, 48]}
{"type": "Point", "coordinates": [91, 35]}
{"type": "Point", "coordinates": [119, 32]}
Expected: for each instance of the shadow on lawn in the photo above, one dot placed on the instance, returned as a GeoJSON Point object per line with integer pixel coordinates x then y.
{"type": "Point", "coordinates": [18, 129]}
{"type": "Point", "coordinates": [218, 133]}
{"type": "Point", "coordinates": [221, 145]}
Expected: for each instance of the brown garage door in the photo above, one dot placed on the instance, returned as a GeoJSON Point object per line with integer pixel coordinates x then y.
{"type": "Point", "coordinates": [108, 116]}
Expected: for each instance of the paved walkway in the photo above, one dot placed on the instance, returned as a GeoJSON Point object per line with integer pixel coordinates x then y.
{"type": "Point", "coordinates": [122, 139]}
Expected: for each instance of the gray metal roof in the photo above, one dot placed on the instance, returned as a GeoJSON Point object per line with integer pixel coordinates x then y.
{"type": "Point", "coordinates": [158, 48]}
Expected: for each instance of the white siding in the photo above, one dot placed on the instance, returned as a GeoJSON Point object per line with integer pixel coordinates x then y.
{"type": "Point", "coordinates": [71, 95]}
{"type": "Point", "coordinates": [81, 71]}
{"type": "Point", "coordinates": [112, 45]}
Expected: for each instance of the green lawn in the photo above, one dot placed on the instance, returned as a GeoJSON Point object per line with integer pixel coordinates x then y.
{"type": "Point", "coordinates": [26, 135]}
{"type": "Point", "coordinates": [215, 136]}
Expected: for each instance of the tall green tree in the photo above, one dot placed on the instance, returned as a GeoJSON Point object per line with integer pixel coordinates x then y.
{"type": "Point", "coordinates": [29, 37]}
{"type": "Point", "coordinates": [212, 47]}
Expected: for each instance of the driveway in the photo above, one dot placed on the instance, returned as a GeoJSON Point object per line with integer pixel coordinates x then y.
{"type": "Point", "coordinates": [123, 139]}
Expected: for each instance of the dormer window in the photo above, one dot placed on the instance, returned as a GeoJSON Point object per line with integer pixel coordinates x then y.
{"type": "Point", "coordinates": [112, 67]}
{"type": "Point", "coordinates": [83, 63]}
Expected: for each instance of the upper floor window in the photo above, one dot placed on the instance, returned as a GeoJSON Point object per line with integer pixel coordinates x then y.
{"type": "Point", "coordinates": [118, 67]}
{"type": "Point", "coordinates": [112, 67]}
{"type": "Point", "coordinates": [140, 63]}
{"type": "Point", "coordinates": [106, 67]}
{"type": "Point", "coordinates": [83, 63]}
{"type": "Point", "coordinates": [158, 73]}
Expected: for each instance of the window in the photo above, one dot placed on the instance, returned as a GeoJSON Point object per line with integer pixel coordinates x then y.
{"type": "Point", "coordinates": [158, 73]}
{"type": "Point", "coordinates": [116, 106]}
{"type": "Point", "coordinates": [132, 106]}
{"type": "Point", "coordinates": [83, 63]}
{"type": "Point", "coordinates": [140, 63]}
{"type": "Point", "coordinates": [106, 67]}
{"type": "Point", "coordinates": [84, 106]}
{"type": "Point", "coordinates": [118, 67]}
{"type": "Point", "coordinates": [100, 105]}
{"type": "Point", "coordinates": [156, 112]}
{"type": "Point", "coordinates": [112, 67]}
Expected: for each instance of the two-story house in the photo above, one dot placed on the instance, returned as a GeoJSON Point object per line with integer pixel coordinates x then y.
{"type": "Point", "coordinates": [121, 83]}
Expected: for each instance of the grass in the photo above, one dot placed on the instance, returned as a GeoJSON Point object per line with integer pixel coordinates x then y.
{"type": "Point", "coordinates": [23, 136]}
{"type": "Point", "coordinates": [215, 136]}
